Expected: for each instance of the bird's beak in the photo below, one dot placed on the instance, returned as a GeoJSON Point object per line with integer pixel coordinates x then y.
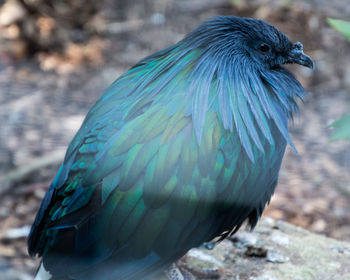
{"type": "Point", "coordinates": [296, 55]}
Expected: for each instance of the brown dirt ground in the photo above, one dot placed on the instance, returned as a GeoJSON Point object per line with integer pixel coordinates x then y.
{"type": "Point", "coordinates": [40, 112]}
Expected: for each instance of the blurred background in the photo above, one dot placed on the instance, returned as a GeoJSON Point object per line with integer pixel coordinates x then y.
{"type": "Point", "coordinates": [58, 56]}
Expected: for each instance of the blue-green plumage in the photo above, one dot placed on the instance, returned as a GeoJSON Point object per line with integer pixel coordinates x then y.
{"type": "Point", "coordinates": [179, 150]}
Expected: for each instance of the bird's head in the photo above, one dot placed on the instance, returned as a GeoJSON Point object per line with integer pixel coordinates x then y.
{"type": "Point", "coordinates": [251, 39]}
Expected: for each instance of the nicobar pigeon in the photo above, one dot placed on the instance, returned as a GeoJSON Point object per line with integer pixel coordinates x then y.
{"type": "Point", "coordinates": [180, 150]}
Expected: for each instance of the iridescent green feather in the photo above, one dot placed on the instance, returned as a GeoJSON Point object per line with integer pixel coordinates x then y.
{"type": "Point", "coordinates": [160, 158]}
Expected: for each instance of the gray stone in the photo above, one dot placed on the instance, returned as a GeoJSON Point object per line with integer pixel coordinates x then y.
{"type": "Point", "coordinates": [292, 253]}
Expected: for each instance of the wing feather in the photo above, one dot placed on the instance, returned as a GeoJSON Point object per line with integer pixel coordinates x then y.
{"type": "Point", "coordinates": [137, 189]}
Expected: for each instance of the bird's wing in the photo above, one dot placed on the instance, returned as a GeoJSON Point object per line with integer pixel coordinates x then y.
{"type": "Point", "coordinates": [136, 190]}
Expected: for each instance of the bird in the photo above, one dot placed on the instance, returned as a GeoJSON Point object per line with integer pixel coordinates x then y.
{"type": "Point", "coordinates": [180, 150]}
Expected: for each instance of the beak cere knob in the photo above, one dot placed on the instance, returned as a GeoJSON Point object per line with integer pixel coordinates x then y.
{"type": "Point", "coordinates": [298, 46]}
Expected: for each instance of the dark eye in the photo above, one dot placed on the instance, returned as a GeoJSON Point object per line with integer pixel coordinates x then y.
{"type": "Point", "coordinates": [264, 47]}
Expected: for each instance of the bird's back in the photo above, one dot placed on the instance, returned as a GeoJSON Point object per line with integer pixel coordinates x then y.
{"type": "Point", "coordinates": [138, 196]}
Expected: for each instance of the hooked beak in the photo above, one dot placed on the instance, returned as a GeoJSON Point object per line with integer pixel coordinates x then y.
{"type": "Point", "coordinates": [296, 55]}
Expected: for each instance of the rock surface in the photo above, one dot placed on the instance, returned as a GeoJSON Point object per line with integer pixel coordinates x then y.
{"type": "Point", "coordinates": [273, 251]}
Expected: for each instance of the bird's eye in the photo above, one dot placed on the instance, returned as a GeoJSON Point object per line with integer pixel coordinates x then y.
{"type": "Point", "coordinates": [264, 47]}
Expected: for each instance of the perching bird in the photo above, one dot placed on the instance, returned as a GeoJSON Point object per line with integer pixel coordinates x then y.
{"type": "Point", "coordinates": [181, 149]}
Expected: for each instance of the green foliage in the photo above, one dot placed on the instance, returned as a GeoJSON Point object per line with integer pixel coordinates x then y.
{"type": "Point", "coordinates": [342, 125]}
{"type": "Point", "coordinates": [341, 25]}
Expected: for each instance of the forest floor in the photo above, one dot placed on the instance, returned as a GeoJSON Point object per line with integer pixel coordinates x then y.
{"type": "Point", "coordinates": [40, 111]}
